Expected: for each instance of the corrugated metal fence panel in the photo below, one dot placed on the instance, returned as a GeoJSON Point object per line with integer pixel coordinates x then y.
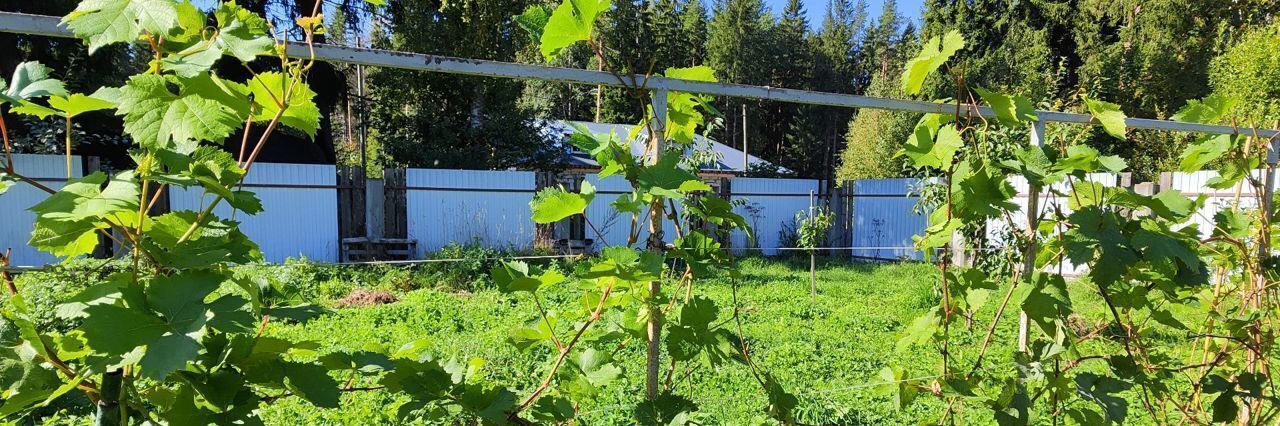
{"type": "Point", "coordinates": [770, 207]}
{"type": "Point", "coordinates": [15, 221]}
{"type": "Point", "coordinates": [464, 206]}
{"type": "Point", "coordinates": [615, 226]}
{"type": "Point", "coordinates": [300, 210]}
{"type": "Point", "coordinates": [884, 219]}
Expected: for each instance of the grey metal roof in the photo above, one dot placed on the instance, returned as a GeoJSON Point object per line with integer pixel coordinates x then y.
{"type": "Point", "coordinates": [728, 158]}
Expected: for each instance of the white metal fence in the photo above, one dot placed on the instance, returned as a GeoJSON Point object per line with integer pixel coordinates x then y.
{"type": "Point", "coordinates": [769, 206]}
{"type": "Point", "coordinates": [492, 208]}
{"type": "Point", "coordinates": [300, 203]}
{"type": "Point", "coordinates": [469, 206]}
{"type": "Point", "coordinates": [15, 220]}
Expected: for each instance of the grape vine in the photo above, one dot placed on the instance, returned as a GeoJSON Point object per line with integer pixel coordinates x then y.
{"type": "Point", "coordinates": [1189, 320]}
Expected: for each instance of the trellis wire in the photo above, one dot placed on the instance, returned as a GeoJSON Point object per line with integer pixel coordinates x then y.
{"type": "Point", "coordinates": [56, 267]}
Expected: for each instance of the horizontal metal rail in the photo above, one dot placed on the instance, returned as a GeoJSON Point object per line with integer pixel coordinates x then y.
{"type": "Point", "coordinates": [49, 26]}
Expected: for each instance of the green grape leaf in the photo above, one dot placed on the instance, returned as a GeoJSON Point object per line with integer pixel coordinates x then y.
{"type": "Point", "coordinates": [534, 21]}
{"type": "Point", "coordinates": [932, 55]}
{"type": "Point", "coordinates": [1109, 116]}
{"type": "Point", "coordinates": [77, 104]}
{"type": "Point", "coordinates": [34, 109]}
{"type": "Point", "coordinates": [1231, 223]}
{"type": "Point", "coordinates": [1225, 409]}
{"type": "Point", "coordinates": [104, 22]}
{"type": "Point", "coordinates": [158, 118]}
{"type": "Point", "coordinates": [67, 221]}
{"type": "Point", "coordinates": [1011, 110]}
{"type": "Point", "coordinates": [1086, 159]}
{"type": "Point", "coordinates": [980, 193]}
{"type": "Point", "coordinates": [297, 110]}
{"type": "Point", "coordinates": [902, 390]}
{"type": "Point", "coordinates": [1234, 171]}
{"type": "Point", "coordinates": [1048, 305]}
{"type": "Point", "coordinates": [241, 33]}
{"type": "Point", "coordinates": [683, 114]}
{"type": "Point", "coordinates": [6, 181]}
{"type": "Point", "coordinates": [516, 276]}
{"type": "Point", "coordinates": [30, 80]}
{"type": "Point", "coordinates": [1205, 150]}
{"type": "Point", "coordinates": [554, 204]}
{"type": "Point", "coordinates": [1102, 391]}
{"type": "Point", "coordinates": [376, 2]}
{"type": "Point", "coordinates": [570, 23]}
{"type": "Point", "coordinates": [668, 409]}
{"type": "Point", "coordinates": [939, 154]}
{"type": "Point", "coordinates": [1097, 239]}
{"type": "Point", "coordinates": [197, 60]}
{"type": "Point", "coordinates": [312, 382]}
{"type": "Point", "coordinates": [217, 242]}
{"type": "Point", "coordinates": [1209, 110]}
{"type": "Point", "coordinates": [921, 330]}
{"type": "Point", "coordinates": [668, 179]}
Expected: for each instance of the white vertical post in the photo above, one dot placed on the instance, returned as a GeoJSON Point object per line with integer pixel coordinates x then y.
{"type": "Point", "coordinates": [1033, 217]}
{"type": "Point", "coordinates": [813, 261]}
{"type": "Point", "coordinates": [746, 158]}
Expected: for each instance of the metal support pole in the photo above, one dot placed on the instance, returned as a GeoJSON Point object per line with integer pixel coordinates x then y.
{"type": "Point", "coordinates": [654, 326]}
{"type": "Point", "coordinates": [1033, 219]}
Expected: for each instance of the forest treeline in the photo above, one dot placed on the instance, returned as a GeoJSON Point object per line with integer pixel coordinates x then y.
{"type": "Point", "coordinates": [1149, 56]}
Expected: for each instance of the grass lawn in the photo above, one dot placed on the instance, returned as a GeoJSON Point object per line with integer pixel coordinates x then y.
{"type": "Point", "coordinates": [829, 354]}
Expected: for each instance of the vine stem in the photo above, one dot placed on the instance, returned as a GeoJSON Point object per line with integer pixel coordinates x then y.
{"type": "Point", "coordinates": [8, 150]}
{"type": "Point", "coordinates": [88, 387]}
{"type": "Point", "coordinates": [991, 330]}
{"type": "Point", "coordinates": [564, 353]}
{"type": "Point", "coordinates": [204, 214]}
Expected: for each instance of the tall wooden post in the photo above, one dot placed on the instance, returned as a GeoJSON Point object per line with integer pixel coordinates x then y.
{"type": "Point", "coordinates": [1033, 217]}
{"type": "Point", "coordinates": [656, 245]}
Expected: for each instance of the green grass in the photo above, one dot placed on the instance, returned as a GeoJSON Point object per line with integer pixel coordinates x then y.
{"type": "Point", "coordinates": [830, 353]}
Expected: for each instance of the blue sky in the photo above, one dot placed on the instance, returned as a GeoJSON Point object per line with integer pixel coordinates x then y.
{"type": "Point", "coordinates": [911, 9]}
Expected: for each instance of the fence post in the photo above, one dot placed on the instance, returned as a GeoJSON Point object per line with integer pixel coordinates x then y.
{"type": "Point", "coordinates": [544, 233]}
{"type": "Point", "coordinates": [813, 259]}
{"type": "Point", "coordinates": [351, 203]}
{"type": "Point", "coordinates": [725, 192]}
{"type": "Point", "coordinates": [395, 206]}
{"type": "Point", "coordinates": [1033, 216]}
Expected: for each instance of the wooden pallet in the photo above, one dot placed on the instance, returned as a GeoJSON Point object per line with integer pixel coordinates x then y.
{"type": "Point", "coordinates": [368, 250]}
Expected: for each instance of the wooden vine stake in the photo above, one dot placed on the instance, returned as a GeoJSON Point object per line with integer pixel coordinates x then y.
{"type": "Point", "coordinates": [656, 245]}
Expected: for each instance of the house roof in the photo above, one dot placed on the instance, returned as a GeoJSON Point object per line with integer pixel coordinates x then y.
{"type": "Point", "coordinates": [728, 159]}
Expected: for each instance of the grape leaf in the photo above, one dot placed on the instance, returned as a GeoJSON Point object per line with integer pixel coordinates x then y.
{"type": "Point", "coordinates": [158, 118]}
{"type": "Point", "coordinates": [1204, 151]}
{"type": "Point", "coordinates": [534, 21]}
{"type": "Point", "coordinates": [1109, 116]}
{"type": "Point", "coordinates": [934, 53]}
{"type": "Point", "coordinates": [30, 80]}
{"type": "Point", "coordinates": [924, 151]}
{"type": "Point", "coordinates": [1011, 110]}
{"type": "Point", "coordinates": [77, 104]}
{"type": "Point", "coordinates": [1209, 110]}
{"type": "Point", "coordinates": [241, 33]}
{"type": "Point", "coordinates": [554, 204]}
{"type": "Point", "coordinates": [275, 94]}
{"type": "Point", "coordinates": [570, 23]}
{"type": "Point", "coordinates": [104, 22]}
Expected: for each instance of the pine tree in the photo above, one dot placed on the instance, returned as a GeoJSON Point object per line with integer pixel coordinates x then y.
{"type": "Point", "coordinates": [693, 23]}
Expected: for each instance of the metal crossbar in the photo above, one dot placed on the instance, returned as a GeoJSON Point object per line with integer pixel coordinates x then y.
{"type": "Point", "coordinates": [49, 26]}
